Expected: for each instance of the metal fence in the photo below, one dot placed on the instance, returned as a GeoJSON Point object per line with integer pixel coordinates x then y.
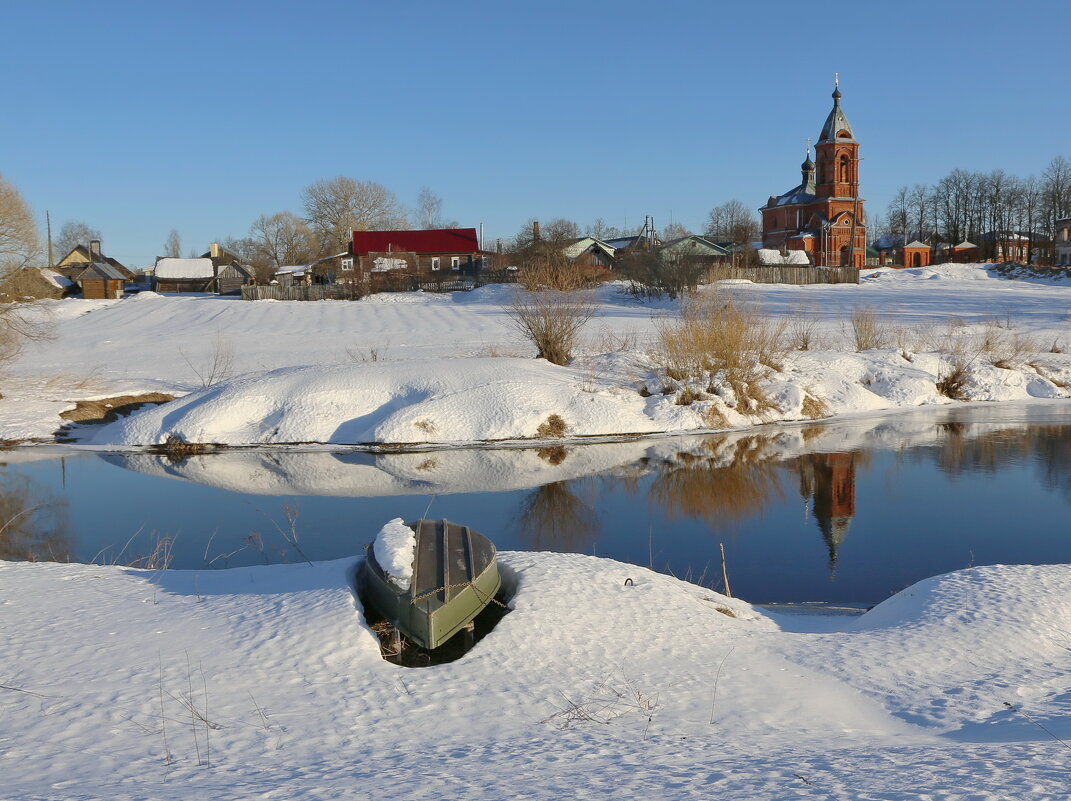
{"type": "Point", "coordinates": [786, 274]}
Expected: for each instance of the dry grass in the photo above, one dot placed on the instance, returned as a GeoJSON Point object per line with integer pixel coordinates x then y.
{"type": "Point", "coordinates": [717, 337]}
{"type": "Point", "coordinates": [552, 322]}
{"type": "Point", "coordinates": [108, 409]}
{"type": "Point", "coordinates": [868, 331]}
{"type": "Point", "coordinates": [426, 426]}
{"type": "Point", "coordinates": [952, 380]}
{"type": "Point", "coordinates": [814, 408]}
{"type": "Point", "coordinates": [1006, 349]}
{"type": "Point", "coordinates": [552, 428]}
{"type": "Point", "coordinates": [803, 328]}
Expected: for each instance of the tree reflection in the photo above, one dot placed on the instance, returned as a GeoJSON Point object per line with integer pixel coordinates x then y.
{"type": "Point", "coordinates": [731, 480]}
{"type": "Point", "coordinates": [33, 522]}
{"type": "Point", "coordinates": [554, 518]}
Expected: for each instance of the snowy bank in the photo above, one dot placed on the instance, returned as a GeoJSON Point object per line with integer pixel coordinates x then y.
{"type": "Point", "coordinates": [125, 684]}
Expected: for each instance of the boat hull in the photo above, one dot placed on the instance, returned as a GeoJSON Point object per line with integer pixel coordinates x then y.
{"type": "Point", "coordinates": [455, 575]}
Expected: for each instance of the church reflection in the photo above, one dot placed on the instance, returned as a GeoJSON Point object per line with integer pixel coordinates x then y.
{"type": "Point", "coordinates": [827, 481]}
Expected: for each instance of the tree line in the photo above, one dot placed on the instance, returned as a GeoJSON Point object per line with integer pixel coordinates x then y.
{"type": "Point", "coordinates": [966, 205]}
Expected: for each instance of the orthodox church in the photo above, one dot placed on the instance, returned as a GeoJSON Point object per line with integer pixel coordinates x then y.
{"type": "Point", "coordinates": [823, 216]}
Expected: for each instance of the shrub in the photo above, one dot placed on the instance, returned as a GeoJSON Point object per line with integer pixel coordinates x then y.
{"type": "Point", "coordinates": [551, 321]}
{"type": "Point", "coordinates": [1006, 349]}
{"type": "Point", "coordinates": [553, 426]}
{"type": "Point", "coordinates": [867, 330]}
{"type": "Point", "coordinates": [717, 335]}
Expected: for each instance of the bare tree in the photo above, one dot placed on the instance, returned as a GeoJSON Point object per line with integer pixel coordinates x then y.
{"type": "Point", "coordinates": [600, 229]}
{"type": "Point", "coordinates": [72, 234]}
{"type": "Point", "coordinates": [283, 238]}
{"type": "Point", "coordinates": [674, 231]}
{"type": "Point", "coordinates": [19, 245]}
{"type": "Point", "coordinates": [19, 242]}
{"type": "Point", "coordinates": [429, 211]}
{"type": "Point", "coordinates": [173, 245]}
{"type": "Point", "coordinates": [732, 222]}
{"type": "Point", "coordinates": [336, 207]}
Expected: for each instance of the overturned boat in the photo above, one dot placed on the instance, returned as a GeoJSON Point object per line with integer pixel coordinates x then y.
{"type": "Point", "coordinates": [454, 576]}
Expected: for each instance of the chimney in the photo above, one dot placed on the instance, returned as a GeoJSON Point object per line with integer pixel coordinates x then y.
{"type": "Point", "coordinates": [213, 250]}
{"type": "Point", "coordinates": [94, 250]}
{"type": "Point", "coordinates": [535, 230]}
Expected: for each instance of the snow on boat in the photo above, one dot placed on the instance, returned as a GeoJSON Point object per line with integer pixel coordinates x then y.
{"type": "Point", "coordinates": [454, 576]}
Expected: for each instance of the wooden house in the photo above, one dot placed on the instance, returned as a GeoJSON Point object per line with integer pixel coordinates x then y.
{"type": "Point", "coordinates": [217, 271]}
{"type": "Point", "coordinates": [695, 248]}
{"type": "Point", "coordinates": [590, 253]}
{"type": "Point", "coordinates": [101, 281]}
{"type": "Point", "coordinates": [35, 283]}
{"type": "Point", "coordinates": [424, 251]}
{"type": "Point", "coordinates": [81, 256]}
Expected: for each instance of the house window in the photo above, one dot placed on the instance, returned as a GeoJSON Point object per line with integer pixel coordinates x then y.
{"type": "Point", "coordinates": [347, 264]}
{"type": "Point", "coordinates": [455, 262]}
{"type": "Point", "coordinates": [435, 262]}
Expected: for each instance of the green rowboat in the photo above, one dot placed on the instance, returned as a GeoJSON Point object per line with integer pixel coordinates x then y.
{"type": "Point", "coordinates": [455, 576]}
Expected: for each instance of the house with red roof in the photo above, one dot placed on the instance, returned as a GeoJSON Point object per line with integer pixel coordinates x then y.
{"type": "Point", "coordinates": [453, 251]}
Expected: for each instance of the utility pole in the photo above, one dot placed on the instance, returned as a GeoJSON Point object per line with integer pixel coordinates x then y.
{"type": "Point", "coordinates": [48, 222]}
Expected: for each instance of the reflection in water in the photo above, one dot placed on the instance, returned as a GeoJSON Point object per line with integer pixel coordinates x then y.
{"type": "Point", "coordinates": [554, 518]}
{"type": "Point", "coordinates": [731, 478]}
{"type": "Point", "coordinates": [828, 480]}
{"type": "Point", "coordinates": [889, 500]}
{"type": "Point", "coordinates": [962, 451]}
{"type": "Point", "coordinates": [33, 521]}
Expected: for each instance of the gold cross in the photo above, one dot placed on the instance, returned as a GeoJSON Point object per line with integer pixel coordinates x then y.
{"type": "Point", "coordinates": [836, 78]}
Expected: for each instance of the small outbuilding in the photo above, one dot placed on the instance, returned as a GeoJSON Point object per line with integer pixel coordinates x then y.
{"type": "Point", "coordinates": [101, 281]}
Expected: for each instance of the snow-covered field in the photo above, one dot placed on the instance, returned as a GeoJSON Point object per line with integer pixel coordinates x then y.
{"type": "Point", "coordinates": [447, 369]}
{"type": "Point", "coordinates": [266, 683]}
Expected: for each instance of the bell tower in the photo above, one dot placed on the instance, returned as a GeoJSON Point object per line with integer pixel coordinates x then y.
{"type": "Point", "coordinates": [837, 154]}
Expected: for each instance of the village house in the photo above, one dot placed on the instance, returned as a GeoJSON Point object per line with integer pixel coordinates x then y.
{"type": "Point", "coordinates": [37, 283]}
{"type": "Point", "coordinates": [81, 256]}
{"type": "Point", "coordinates": [1062, 242]}
{"type": "Point", "coordinates": [590, 253]}
{"type": "Point", "coordinates": [823, 215]}
{"type": "Point", "coordinates": [454, 250]}
{"type": "Point", "coordinates": [217, 271]}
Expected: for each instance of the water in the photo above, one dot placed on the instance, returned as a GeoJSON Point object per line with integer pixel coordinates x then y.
{"type": "Point", "coordinates": [842, 512]}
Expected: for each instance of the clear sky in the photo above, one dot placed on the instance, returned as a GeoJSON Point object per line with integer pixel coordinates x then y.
{"type": "Point", "coordinates": [140, 117]}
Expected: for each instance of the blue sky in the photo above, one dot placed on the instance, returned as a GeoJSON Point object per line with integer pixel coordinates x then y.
{"type": "Point", "coordinates": [140, 117]}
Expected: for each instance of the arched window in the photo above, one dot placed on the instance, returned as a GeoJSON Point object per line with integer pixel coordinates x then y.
{"type": "Point", "coordinates": [845, 169]}
{"type": "Point", "coordinates": [918, 259]}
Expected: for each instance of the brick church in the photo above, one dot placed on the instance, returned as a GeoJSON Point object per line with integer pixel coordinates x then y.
{"type": "Point", "coordinates": [824, 213]}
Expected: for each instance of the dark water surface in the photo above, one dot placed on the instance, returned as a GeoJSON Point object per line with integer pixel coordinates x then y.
{"type": "Point", "coordinates": [843, 512]}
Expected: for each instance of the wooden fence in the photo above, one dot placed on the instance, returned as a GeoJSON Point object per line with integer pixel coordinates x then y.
{"type": "Point", "coordinates": [785, 274]}
{"type": "Point", "coordinates": [303, 292]}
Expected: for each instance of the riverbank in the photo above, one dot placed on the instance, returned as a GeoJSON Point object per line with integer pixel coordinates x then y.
{"type": "Point", "coordinates": [266, 681]}
{"type": "Point", "coordinates": [418, 370]}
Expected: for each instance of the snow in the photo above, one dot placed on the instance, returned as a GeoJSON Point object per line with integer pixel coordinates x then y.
{"type": "Point", "coordinates": [58, 280]}
{"type": "Point", "coordinates": [394, 546]}
{"type": "Point", "coordinates": [444, 369]}
{"type": "Point", "coordinates": [184, 268]}
{"type": "Point", "coordinates": [591, 687]}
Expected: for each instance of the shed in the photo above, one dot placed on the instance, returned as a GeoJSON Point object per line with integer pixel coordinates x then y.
{"type": "Point", "coordinates": [100, 281]}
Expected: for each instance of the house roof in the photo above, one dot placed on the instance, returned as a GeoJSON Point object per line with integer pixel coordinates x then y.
{"type": "Point", "coordinates": [97, 270]}
{"type": "Point", "coordinates": [56, 279]}
{"type": "Point", "coordinates": [82, 251]}
{"type": "Point", "coordinates": [695, 241]}
{"type": "Point", "coordinates": [584, 244]}
{"type": "Point", "coordinates": [440, 240]}
{"type": "Point", "coordinates": [190, 269]}
{"type": "Point", "coordinates": [916, 244]}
